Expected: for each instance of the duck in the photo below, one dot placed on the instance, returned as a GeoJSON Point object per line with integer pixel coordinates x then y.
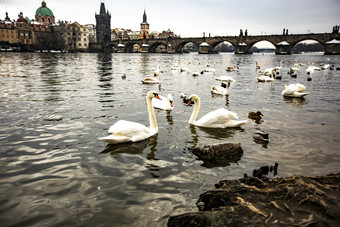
{"type": "Point", "coordinates": [164, 103]}
{"type": "Point", "coordinates": [294, 90]}
{"type": "Point", "coordinates": [182, 94]}
{"type": "Point", "coordinates": [196, 73]}
{"type": "Point", "coordinates": [266, 78]}
{"type": "Point", "coordinates": [220, 118]}
{"type": "Point", "coordinates": [255, 115]}
{"type": "Point", "coordinates": [129, 132]}
{"type": "Point", "coordinates": [261, 136]}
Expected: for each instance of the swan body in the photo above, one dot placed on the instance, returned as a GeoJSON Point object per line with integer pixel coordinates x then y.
{"type": "Point", "coordinates": [152, 80]}
{"type": "Point", "coordinates": [231, 68]}
{"type": "Point", "coordinates": [176, 66]}
{"type": "Point", "coordinates": [165, 103]}
{"type": "Point", "coordinates": [127, 131]}
{"type": "Point", "coordinates": [325, 66]}
{"type": "Point", "coordinates": [220, 90]}
{"type": "Point", "coordinates": [294, 90]}
{"type": "Point", "coordinates": [220, 118]}
{"type": "Point", "coordinates": [266, 78]}
{"type": "Point", "coordinates": [225, 78]}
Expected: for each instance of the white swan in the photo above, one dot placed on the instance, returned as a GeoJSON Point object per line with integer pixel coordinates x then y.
{"type": "Point", "coordinates": [208, 69]}
{"type": "Point", "coordinates": [196, 73]}
{"type": "Point", "coordinates": [127, 131]}
{"type": "Point", "coordinates": [152, 80]}
{"type": "Point", "coordinates": [266, 78]}
{"type": "Point", "coordinates": [165, 103]}
{"type": "Point", "coordinates": [220, 118]}
{"type": "Point", "coordinates": [279, 67]}
{"type": "Point", "coordinates": [158, 71]}
{"type": "Point", "coordinates": [185, 69]}
{"type": "Point", "coordinates": [294, 90]}
{"type": "Point", "coordinates": [220, 90]}
{"type": "Point", "coordinates": [175, 67]}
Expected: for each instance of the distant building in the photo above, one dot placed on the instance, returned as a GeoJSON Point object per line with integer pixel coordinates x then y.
{"type": "Point", "coordinates": [144, 28]}
{"type": "Point", "coordinates": [16, 34]}
{"type": "Point", "coordinates": [72, 37]}
{"type": "Point", "coordinates": [44, 15]}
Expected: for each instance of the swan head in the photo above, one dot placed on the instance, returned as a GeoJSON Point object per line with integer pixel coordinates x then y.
{"type": "Point", "coordinates": [170, 100]}
{"type": "Point", "coordinates": [153, 94]}
{"type": "Point", "coordinates": [192, 98]}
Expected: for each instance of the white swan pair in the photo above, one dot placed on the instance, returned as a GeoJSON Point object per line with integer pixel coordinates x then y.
{"type": "Point", "coordinates": [127, 131]}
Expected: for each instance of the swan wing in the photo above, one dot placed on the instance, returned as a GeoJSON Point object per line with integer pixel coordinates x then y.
{"type": "Point", "coordinates": [216, 119]}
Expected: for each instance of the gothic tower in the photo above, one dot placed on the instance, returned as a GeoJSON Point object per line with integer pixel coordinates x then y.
{"type": "Point", "coordinates": [103, 25]}
{"type": "Point", "coordinates": [144, 28]}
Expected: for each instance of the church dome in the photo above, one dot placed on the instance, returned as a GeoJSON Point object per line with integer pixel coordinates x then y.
{"type": "Point", "coordinates": [43, 10]}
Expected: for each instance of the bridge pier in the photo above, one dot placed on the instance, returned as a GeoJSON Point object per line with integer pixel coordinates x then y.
{"type": "Point", "coordinates": [170, 49]}
{"type": "Point", "coordinates": [203, 48]}
{"type": "Point", "coordinates": [120, 48]}
{"type": "Point", "coordinates": [332, 47]}
{"type": "Point", "coordinates": [241, 48]}
{"type": "Point", "coordinates": [145, 48]}
{"type": "Point", "coordinates": [283, 48]}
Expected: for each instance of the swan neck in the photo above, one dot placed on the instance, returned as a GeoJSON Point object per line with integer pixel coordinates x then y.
{"type": "Point", "coordinates": [195, 111]}
{"type": "Point", "coordinates": [152, 117]}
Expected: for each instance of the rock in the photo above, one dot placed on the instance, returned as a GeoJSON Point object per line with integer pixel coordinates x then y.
{"type": "Point", "coordinates": [218, 154]}
{"type": "Point", "coordinates": [291, 201]}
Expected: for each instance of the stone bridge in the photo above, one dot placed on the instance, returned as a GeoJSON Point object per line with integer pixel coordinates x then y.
{"type": "Point", "coordinates": [242, 44]}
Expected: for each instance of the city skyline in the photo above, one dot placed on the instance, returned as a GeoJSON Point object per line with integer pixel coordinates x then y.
{"type": "Point", "coordinates": [190, 18]}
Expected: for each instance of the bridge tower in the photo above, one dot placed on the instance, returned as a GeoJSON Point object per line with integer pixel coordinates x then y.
{"type": "Point", "coordinates": [103, 26]}
{"type": "Point", "coordinates": [144, 28]}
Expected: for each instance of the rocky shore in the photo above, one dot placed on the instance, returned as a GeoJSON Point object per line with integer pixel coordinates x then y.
{"type": "Point", "coordinates": [259, 201]}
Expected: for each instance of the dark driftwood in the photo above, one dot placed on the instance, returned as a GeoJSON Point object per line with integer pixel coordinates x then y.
{"type": "Point", "coordinates": [218, 154]}
{"type": "Point", "coordinates": [292, 201]}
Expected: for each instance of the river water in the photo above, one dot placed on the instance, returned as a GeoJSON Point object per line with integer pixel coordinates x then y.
{"type": "Point", "coordinates": [55, 172]}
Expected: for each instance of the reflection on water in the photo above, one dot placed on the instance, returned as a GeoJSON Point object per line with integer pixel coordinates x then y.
{"type": "Point", "coordinates": [54, 107]}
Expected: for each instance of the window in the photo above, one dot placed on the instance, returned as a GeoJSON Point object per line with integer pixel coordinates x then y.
{"type": "Point", "coordinates": [43, 19]}
{"type": "Point", "coordinates": [49, 20]}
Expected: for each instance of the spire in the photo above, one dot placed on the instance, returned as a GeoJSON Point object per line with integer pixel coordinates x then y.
{"type": "Point", "coordinates": [7, 18]}
{"type": "Point", "coordinates": [144, 17]}
{"type": "Point", "coordinates": [102, 8]}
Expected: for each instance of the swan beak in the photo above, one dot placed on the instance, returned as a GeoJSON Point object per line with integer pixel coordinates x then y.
{"type": "Point", "coordinates": [189, 102]}
{"type": "Point", "coordinates": [156, 96]}
{"type": "Point", "coordinates": [171, 104]}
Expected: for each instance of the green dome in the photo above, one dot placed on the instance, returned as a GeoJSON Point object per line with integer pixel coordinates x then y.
{"type": "Point", "coordinates": [43, 10]}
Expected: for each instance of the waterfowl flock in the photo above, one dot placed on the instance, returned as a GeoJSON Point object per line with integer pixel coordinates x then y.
{"type": "Point", "coordinates": [127, 131]}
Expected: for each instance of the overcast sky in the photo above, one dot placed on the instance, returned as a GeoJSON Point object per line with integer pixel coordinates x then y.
{"type": "Point", "coordinates": [190, 18]}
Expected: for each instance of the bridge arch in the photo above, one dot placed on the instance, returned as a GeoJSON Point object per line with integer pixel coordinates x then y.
{"type": "Point", "coordinates": [179, 47]}
{"type": "Point", "coordinates": [153, 47]}
{"type": "Point", "coordinates": [212, 48]}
